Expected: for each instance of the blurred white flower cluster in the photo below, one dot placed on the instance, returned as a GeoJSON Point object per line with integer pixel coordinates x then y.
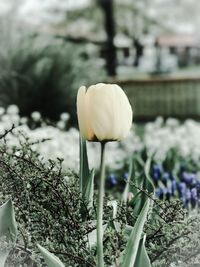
{"type": "Point", "coordinates": [63, 143]}
{"type": "Point", "coordinates": [157, 137]}
{"type": "Point", "coordinates": [160, 137]}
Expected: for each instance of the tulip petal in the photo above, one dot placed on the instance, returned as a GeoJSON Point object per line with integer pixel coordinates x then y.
{"type": "Point", "coordinates": [83, 112]}
{"type": "Point", "coordinates": [125, 112]}
{"type": "Point", "coordinates": [101, 111]}
{"type": "Point", "coordinates": [111, 113]}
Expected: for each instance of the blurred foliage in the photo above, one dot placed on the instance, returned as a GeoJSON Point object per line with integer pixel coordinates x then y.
{"type": "Point", "coordinates": [43, 74]}
{"type": "Point", "coordinates": [91, 15]}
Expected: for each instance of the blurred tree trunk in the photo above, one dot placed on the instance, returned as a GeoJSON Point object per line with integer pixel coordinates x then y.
{"type": "Point", "coordinates": [110, 49]}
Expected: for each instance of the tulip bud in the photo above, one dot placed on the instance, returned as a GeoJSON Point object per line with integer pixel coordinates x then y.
{"type": "Point", "coordinates": [104, 112]}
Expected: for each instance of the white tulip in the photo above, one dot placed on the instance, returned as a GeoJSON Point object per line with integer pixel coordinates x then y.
{"type": "Point", "coordinates": [104, 112]}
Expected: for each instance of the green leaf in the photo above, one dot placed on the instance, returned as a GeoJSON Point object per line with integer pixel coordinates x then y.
{"type": "Point", "coordinates": [8, 229]}
{"type": "Point", "coordinates": [137, 203]}
{"type": "Point", "coordinates": [88, 190]}
{"type": "Point", "coordinates": [142, 187]}
{"type": "Point", "coordinates": [131, 250]}
{"type": "Point", "coordinates": [84, 166]}
{"type": "Point", "coordinates": [128, 229]}
{"type": "Point", "coordinates": [113, 223]}
{"type": "Point", "coordinates": [8, 225]}
{"type": "Point", "coordinates": [135, 177]}
{"type": "Point", "coordinates": [86, 177]}
{"type": "Point", "coordinates": [131, 174]}
{"type": "Point", "coordinates": [3, 256]}
{"type": "Point", "coordinates": [135, 180]}
{"type": "Point", "coordinates": [50, 259]}
{"type": "Point", "coordinates": [92, 236]}
{"type": "Point", "coordinates": [142, 258]}
{"type": "Point", "coordinates": [148, 185]}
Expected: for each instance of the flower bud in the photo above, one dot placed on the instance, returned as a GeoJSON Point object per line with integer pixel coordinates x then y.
{"type": "Point", "coordinates": [104, 112]}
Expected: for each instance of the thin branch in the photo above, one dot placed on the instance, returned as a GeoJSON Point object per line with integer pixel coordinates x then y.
{"type": "Point", "coordinates": [73, 256]}
{"type": "Point", "coordinates": [7, 132]}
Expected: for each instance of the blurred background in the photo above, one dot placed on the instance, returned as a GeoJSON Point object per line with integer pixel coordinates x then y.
{"type": "Point", "coordinates": [151, 48]}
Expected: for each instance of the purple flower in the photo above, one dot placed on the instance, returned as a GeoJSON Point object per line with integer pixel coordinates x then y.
{"type": "Point", "coordinates": [183, 200]}
{"type": "Point", "coordinates": [182, 188]}
{"type": "Point", "coordinates": [173, 186]}
{"type": "Point", "coordinates": [198, 186]}
{"type": "Point", "coordinates": [194, 193]}
{"type": "Point", "coordinates": [159, 192]}
{"type": "Point", "coordinates": [189, 178]}
{"type": "Point", "coordinates": [126, 176]}
{"type": "Point", "coordinates": [156, 176]}
{"type": "Point", "coordinates": [165, 177]}
{"type": "Point", "coordinates": [173, 177]}
{"type": "Point", "coordinates": [169, 193]}
{"type": "Point", "coordinates": [112, 180]}
{"type": "Point", "coordinates": [188, 195]}
{"type": "Point", "coordinates": [156, 172]}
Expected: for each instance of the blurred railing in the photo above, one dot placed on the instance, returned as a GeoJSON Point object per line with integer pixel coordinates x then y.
{"type": "Point", "coordinates": [177, 97]}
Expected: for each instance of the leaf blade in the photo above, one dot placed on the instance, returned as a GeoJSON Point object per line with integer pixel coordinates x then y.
{"type": "Point", "coordinates": [130, 252]}
{"type": "Point", "coordinates": [8, 229]}
{"type": "Point", "coordinates": [50, 259]}
{"type": "Point", "coordinates": [89, 189]}
{"type": "Point", "coordinates": [142, 258]}
{"type": "Point", "coordinates": [84, 165]}
{"type": "Point", "coordinates": [8, 225]}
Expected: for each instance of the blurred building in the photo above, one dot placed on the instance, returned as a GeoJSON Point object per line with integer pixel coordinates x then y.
{"type": "Point", "coordinates": [185, 46]}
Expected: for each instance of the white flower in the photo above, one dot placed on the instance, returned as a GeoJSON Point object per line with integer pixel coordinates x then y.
{"type": "Point", "coordinates": [64, 117]}
{"type": "Point", "coordinates": [36, 116]}
{"type": "Point", "coordinates": [2, 110]}
{"type": "Point", "coordinates": [61, 125]}
{"type": "Point", "coordinates": [104, 112]}
{"type": "Point", "coordinates": [23, 120]}
{"type": "Point", "coordinates": [13, 110]}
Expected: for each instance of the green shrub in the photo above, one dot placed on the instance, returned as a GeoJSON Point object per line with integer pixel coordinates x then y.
{"type": "Point", "coordinates": [47, 206]}
{"type": "Point", "coordinates": [42, 73]}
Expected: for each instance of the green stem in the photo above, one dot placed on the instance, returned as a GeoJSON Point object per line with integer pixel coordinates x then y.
{"type": "Point", "coordinates": [100, 261]}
